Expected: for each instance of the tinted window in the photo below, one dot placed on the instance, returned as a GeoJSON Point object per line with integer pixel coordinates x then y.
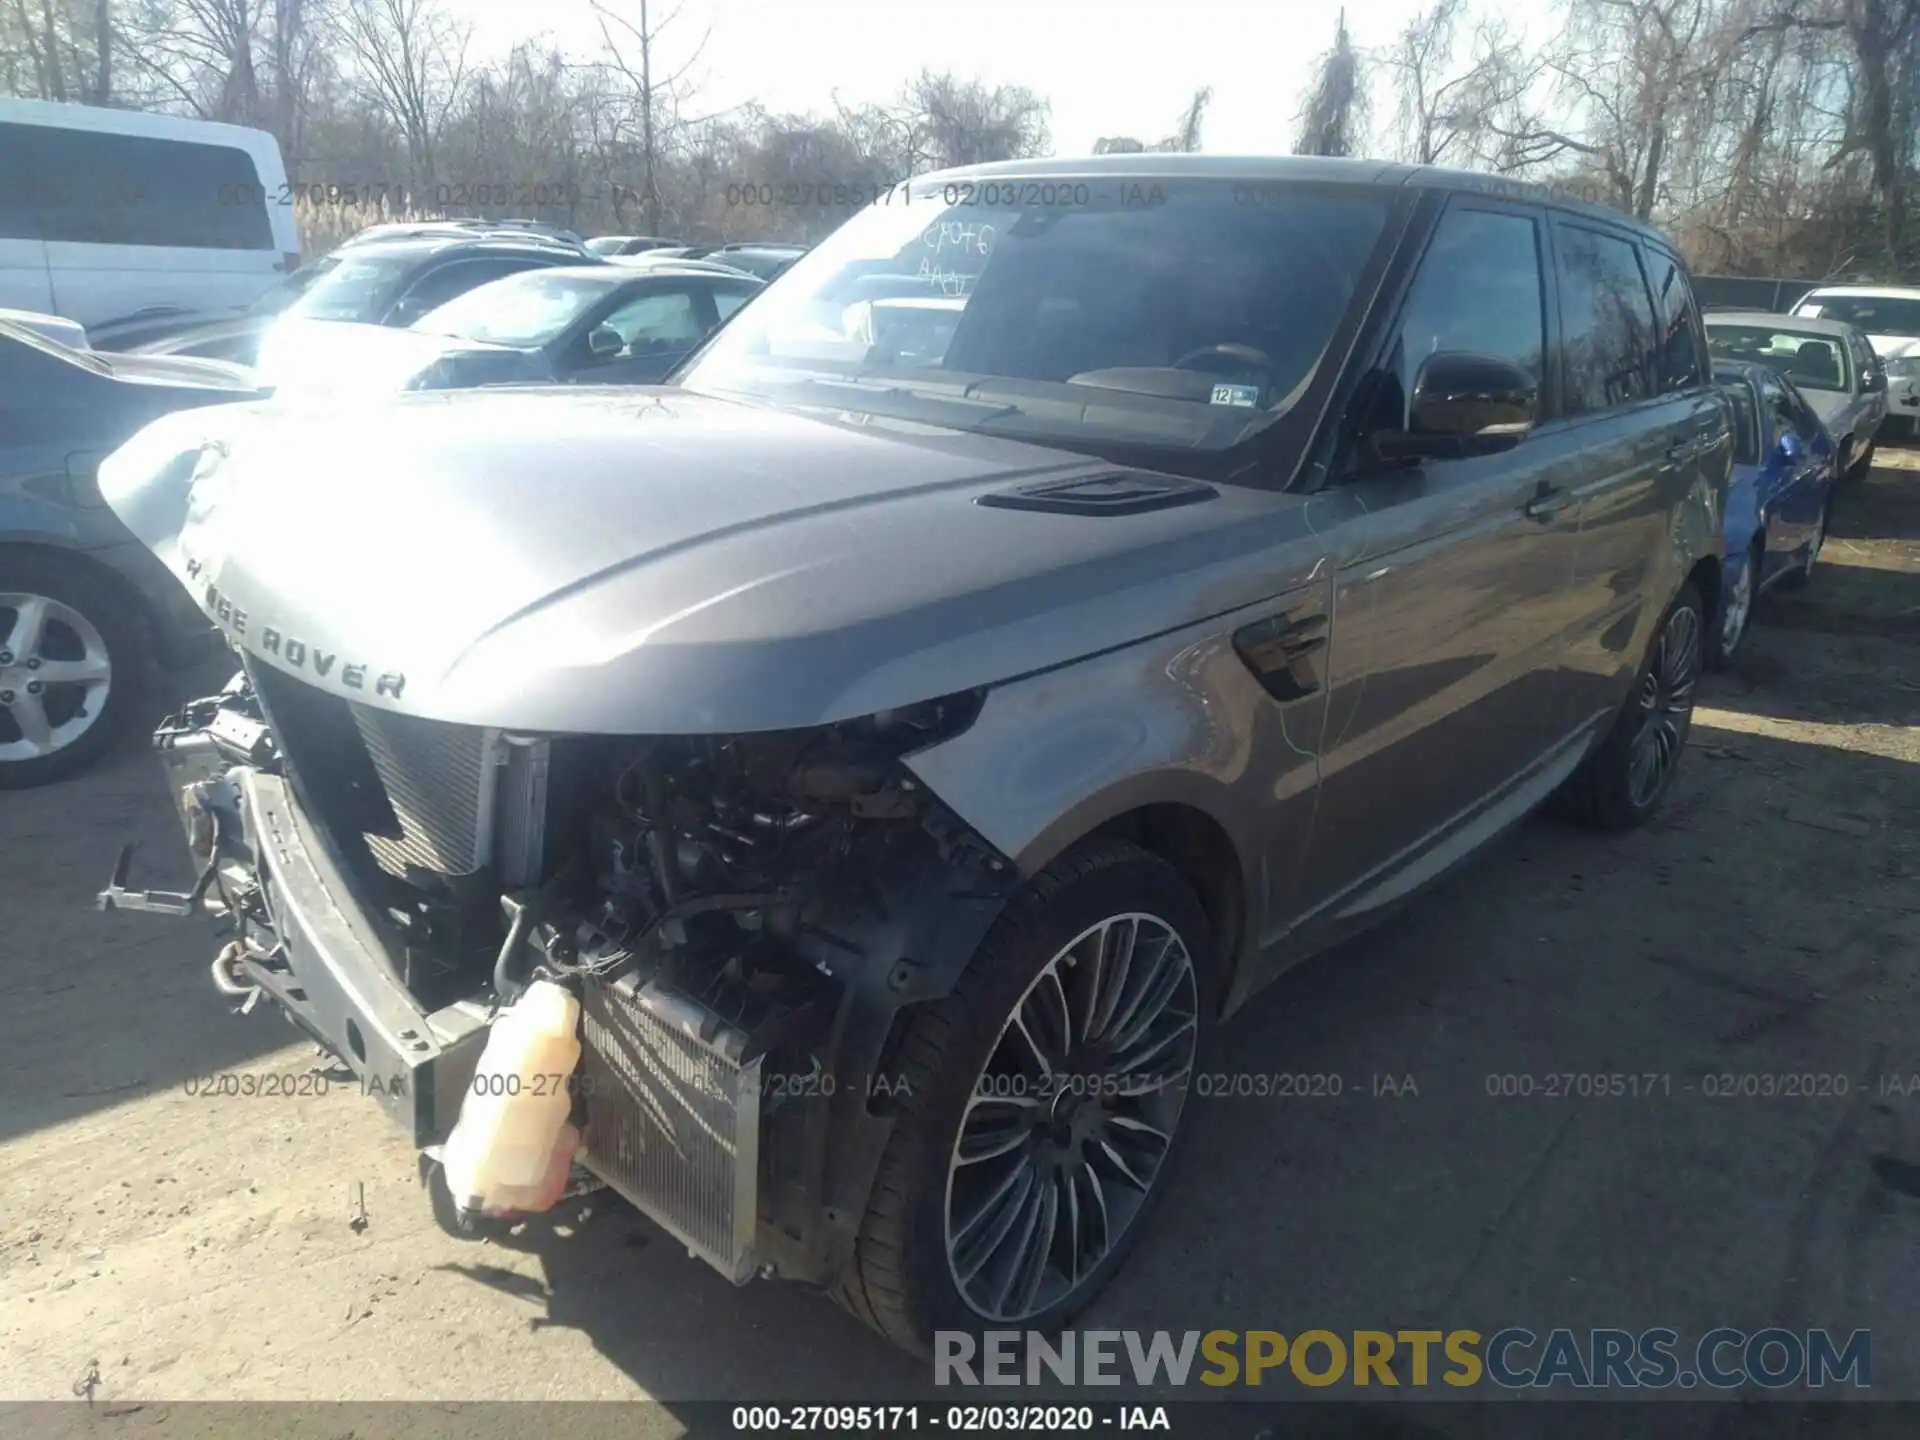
{"type": "Point", "coordinates": [1682, 363]}
{"type": "Point", "coordinates": [91, 187]}
{"type": "Point", "coordinates": [1608, 320]}
{"type": "Point", "coordinates": [728, 301]}
{"type": "Point", "coordinates": [1177, 315]}
{"type": "Point", "coordinates": [1478, 291]}
{"type": "Point", "coordinates": [456, 277]}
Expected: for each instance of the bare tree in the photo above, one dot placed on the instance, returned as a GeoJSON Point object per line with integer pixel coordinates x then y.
{"type": "Point", "coordinates": [409, 58]}
{"type": "Point", "coordinates": [1334, 115]}
{"type": "Point", "coordinates": [645, 125]}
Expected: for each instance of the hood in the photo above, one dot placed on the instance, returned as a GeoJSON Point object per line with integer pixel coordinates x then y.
{"type": "Point", "coordinates": [646, 560]}
{"type": "Point", "coordinates": [338, 357]}
{"type": "Point", "coordinates": [182, 370]}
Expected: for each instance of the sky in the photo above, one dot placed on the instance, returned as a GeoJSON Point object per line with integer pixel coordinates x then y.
{"type": "Point", "coordinates": [1109, 67]}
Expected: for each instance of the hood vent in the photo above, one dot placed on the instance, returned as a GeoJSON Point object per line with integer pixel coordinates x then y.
{"type": "Point", "coordinates": [1118, 492]}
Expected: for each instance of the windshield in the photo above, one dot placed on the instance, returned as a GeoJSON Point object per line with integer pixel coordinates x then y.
{"type": "Point", "coordinates": [606, 244]}
{"type": "Point", "coordinates": [1813, 362]}
{"type": "Point", "coordinates": [353, 287]}
{"type": "Point", "coordinates": [1172, 315]}
{"type": "Point", "coordinates": [293, 287]}
{"type": "Point", "coordinates": [1872, 313]}
{"type": "Point", "coordinates": [526, 310]}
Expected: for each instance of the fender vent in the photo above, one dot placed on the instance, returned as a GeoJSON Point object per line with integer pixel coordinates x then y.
{"type": "Point", "coordinates": [1120, 492]}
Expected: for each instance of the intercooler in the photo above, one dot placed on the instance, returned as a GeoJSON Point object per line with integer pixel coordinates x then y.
{"type": "Point", "coordinates": [673, 1117]}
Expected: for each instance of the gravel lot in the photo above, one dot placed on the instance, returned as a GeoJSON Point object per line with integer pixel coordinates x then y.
{"type": "Point", "coordinates": [193, 1248]}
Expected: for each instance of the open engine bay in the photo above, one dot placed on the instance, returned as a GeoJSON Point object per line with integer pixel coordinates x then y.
{"type": "Point", "coordinates": [744, 919]}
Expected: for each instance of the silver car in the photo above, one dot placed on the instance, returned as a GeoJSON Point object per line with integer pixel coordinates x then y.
{"type": "Point", "coordinates": [1830, 362]}
{"type": "Point", "coordinates": [907, 736]}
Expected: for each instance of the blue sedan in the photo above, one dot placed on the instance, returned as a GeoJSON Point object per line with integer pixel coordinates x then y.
{"type": "Point", "coordinates": [1780, 497]}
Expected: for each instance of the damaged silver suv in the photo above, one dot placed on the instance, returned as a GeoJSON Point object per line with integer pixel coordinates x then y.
{"type": "Point", "coordinates": [1071, 594]}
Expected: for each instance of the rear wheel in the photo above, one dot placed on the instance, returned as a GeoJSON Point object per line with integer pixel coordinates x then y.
{"type": "Point", "coordinates": [70, 666]}
{"type": "Point", "coordinates": [1621, 783]}
{"type": "Point", "coordinates": [1046, 1102]}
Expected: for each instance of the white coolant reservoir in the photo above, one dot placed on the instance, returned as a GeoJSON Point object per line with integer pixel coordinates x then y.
{"type": "Point", "coordinates": [506, 1146]}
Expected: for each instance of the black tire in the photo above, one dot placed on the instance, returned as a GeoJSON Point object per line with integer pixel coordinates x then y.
{"type": "Point", "coordinates": [1722, 646]}
{"type": "Point", "coordinates": [119, 628]}
{"type": "Point", "coordinates": [1603, 794]}
{"type": "Point", "coordinates": [901, 1281]}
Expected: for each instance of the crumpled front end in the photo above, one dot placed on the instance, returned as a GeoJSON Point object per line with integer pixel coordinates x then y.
{"type": "Point", "coordinates": [742, 918]}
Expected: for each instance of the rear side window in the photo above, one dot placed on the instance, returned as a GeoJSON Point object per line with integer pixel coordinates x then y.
{"type": "Point", "coordinates": [1478, 291]}
{"type": "Point", "coordinates": [95, 188]}
{"type": "Point", "coordinates": [1607, 321]}
{"type": "Point", "coordinates": [1683, 362]}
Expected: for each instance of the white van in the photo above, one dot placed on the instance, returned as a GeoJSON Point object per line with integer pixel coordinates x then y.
{"type": "Point", "coordinates": [107, 214]}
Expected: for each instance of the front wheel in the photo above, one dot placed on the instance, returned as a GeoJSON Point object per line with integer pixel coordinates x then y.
{"type": "Point", "coordinates": [1047, 1099]}
{"type": "Point", "coordinates": [1862, 463]}
{"type": "Point", "coordinates": [1621, 783]}
{"type": "Point", "coordinates": [1736, 605]}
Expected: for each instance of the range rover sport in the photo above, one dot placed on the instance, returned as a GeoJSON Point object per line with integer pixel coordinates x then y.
{"type": "Point", "coordinates": [907, 756]}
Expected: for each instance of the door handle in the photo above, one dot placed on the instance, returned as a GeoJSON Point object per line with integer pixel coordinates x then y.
{"type": "Point", "coordinates": [1548, 502]}
{"type": "Point", "coordinates": [1280, 651]}
{"type": "Point", "coordinates": [1677, 455]}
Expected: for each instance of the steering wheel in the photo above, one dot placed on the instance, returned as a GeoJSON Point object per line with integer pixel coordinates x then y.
{"type": "Point", "coordinates": [1232, 362]}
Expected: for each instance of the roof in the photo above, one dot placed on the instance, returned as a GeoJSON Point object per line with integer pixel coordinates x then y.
{"type": "Point", "coordinates": [1782, 324]}
{"type": "Point", "coordinates": [1298, 169]}
{"type": "Point", "coordinates": [481, 244]}
{"type": "Point", "coordinates": [1882, 292]}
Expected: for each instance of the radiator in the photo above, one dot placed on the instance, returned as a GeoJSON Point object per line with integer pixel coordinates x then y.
{"type": "Point", "coordinates": [438, 778]}
{"type": "Point", "coordinates": [673, 1118]}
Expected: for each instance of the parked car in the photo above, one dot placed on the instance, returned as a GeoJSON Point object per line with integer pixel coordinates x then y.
{"type": "Point", "coordinates": [631, 244]}
{"type": "Point", "coordinates": [902, 766]}
{"type": "Point", "coordinates": [84, 607]}
{"type": "Point", "coordinates": [387, 282]}
{"type": "Point", "coordinates": [1830, 363]}
{"type": "Point", "coordinates": [1889, 316]}
{"type": "Point", "coordinates": [1780, 497]}
{"type": "Point", "coordinates": [667, 260]}
{"type": "Point", "coordinates": [593, 324]}
{"type": "Point", "coordinates": [106, 214]}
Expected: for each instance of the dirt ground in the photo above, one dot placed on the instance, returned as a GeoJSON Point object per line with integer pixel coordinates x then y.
{"type": "Point", "coordinates": [158, 1245]}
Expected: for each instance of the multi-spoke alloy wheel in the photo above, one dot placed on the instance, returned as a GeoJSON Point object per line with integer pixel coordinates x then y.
{"type": "Point", "coordinates": [1737, 608]}
{"type": "Point", "coordinates": [1666, 705]}
{"type": "Point", "coordinates": [55, 675]}
{"type": "Point", "coordinates": [1041, 1103]}
{"type": "Point", "coordinates": [70, 666]}
{"type": "Point", "coordinates": [1072, 1116]}
{"type": "Point", "coordinates": [1620, 782]}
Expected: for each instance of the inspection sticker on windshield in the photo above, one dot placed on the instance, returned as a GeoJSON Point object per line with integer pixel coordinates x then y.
{"type": "Point", "coordinates": [1248, 395]}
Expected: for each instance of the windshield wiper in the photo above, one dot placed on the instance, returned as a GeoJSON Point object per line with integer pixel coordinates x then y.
{"type": "Point", "coordinates": [903, 402]}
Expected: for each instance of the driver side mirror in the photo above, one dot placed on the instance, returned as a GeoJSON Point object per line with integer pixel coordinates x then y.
{"type": "Point", "coordinates": [604, 342]}
{"type": "Point", "coordinates": [1790, 448]}
{"type": "Point", "coordinates": [1873, 382]}
{"type": "Point", "coordinates": [1464, 404]}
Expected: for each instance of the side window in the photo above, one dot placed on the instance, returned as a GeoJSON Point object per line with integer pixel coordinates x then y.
{"type": "Point", "coordinates": [1478, 291]}
{"type": "Point", "coordinates": [1682, 358]}
{"type": "Point", "coordinates": [1746, 424]}
{"type": "Point", "coordinates": [728, 301]}
{"type": "Point", "coordinates": [1789, 416]}
{"type": "Point", "coordinates": [1866, 364]}
{"type": "Point", "coordinates": [456, 277]}
{"type": "Point", "coordinates": [92, 187]}
{"type": "Point", "coordinates": [1608, 321]}
{"type": "Point", "coordinates": [658, 324]}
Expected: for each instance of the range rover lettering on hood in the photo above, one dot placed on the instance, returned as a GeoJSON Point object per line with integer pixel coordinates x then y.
{"type": "Point", "coordinates": [290, 650]}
